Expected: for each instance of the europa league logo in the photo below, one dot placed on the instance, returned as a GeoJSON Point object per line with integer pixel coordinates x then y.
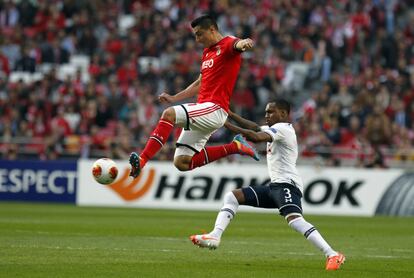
{"type": "Point", "coordinates": [398, 199]}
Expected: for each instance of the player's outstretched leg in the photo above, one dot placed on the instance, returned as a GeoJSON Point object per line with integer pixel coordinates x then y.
{"type": "Point", "coordinates": [225, 215]}
{"type": "Point", "coordinates": [212, 153]}
{"type": "Point", "coordinates": [335, 262]}
{"type": "Point", "coordinates": [245, 148]}
{"type": "Point", "coordinates": [334, 259]}
{"type": "Point", "coordinates": [155, 142]}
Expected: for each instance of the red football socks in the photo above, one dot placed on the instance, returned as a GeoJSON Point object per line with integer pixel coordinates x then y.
{"type": "Point", "coordinates": [157, 139]}
{"type": "Point", "coordinates": [210, 154]}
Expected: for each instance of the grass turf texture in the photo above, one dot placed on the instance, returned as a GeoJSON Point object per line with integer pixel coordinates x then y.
{"type": "Point", "coordinates": [45, 240]}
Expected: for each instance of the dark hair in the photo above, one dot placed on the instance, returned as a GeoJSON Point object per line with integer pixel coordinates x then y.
{"type": "Point", "coordinates": [204, 21]}
{"type": "Point", "coordinates": [282, 104]}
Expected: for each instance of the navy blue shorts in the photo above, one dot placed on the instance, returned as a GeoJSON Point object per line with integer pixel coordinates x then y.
{"type": "Point", "coordinates": [283, 196]}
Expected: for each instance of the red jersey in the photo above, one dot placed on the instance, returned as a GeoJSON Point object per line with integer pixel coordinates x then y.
{"type": "Point", "coordinates": [219, 69]}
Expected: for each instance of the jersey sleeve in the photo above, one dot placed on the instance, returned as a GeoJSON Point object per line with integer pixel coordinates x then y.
{"type": "Point", "coordinates": [231, 46]}
{"type": "Point", "coordinates": [274, 131]}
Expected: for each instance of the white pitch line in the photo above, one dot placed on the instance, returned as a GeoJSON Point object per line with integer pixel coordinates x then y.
{"type": "Point", "coordinates": [57, 247]}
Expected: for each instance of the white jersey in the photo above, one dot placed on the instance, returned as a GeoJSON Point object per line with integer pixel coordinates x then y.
{"type": "Point", "coordinates": [282, 154]}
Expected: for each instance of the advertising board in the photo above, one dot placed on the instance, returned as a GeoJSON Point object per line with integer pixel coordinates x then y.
{"type": "Point", "coordinates": [38, 181]}
{"type": "Point", "coordinates": [336, 191]}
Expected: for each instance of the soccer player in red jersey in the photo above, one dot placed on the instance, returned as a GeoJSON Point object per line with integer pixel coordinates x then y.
{"type": "Point", "coordinates": [218, 74]}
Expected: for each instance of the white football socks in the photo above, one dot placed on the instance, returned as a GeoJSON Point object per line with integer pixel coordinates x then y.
{"type": "Point", "coordinates": [305, 228]}
{"type": "Point", "coordinates": [226, 214]}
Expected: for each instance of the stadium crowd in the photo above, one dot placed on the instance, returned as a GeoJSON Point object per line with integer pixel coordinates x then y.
{"type": "Point", "coordinates": [348, 67]}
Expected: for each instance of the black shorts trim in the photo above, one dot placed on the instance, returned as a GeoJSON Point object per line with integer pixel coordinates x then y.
{"type": "Point", "coordinates": [293, 205]}
{"type": "Point", "coordinates": [187, 126]}
{"type": "Point", "coordinates": [187, 146]}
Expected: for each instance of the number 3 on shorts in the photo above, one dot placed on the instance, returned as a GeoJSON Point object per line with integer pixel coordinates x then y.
{"type": "Point", "coordinates": [288, 196]}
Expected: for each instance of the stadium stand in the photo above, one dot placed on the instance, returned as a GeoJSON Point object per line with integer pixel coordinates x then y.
{"type": "Point", "coordinates": [80, 78]}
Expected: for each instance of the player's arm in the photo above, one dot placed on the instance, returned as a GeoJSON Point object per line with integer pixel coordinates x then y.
{"type": "Point", "coordinates": [244, 45]}
{"type": "Point", "coordinates": [188, 92]}
{"type": "Point", "coordinates": [251, 135]}
{"type": "Point", "coordinates": [244, 123]}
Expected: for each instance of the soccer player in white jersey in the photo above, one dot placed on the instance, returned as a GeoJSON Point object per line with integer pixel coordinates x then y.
{"type": "Point", "coordinates": [285, 189]}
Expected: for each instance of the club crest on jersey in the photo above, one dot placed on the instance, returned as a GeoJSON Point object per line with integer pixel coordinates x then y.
{"type": "Point", "coordinates": [273, 130]}
{"type": "Point", "coordinates": [218, 51]}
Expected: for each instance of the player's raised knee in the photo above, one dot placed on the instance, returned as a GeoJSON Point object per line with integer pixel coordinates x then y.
{"type": "Point", "coordinates": [181, 165]}
{"type": "Point", "coordinates": [169, 114]}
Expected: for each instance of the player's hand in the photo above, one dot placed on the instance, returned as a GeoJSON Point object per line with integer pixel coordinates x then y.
{"type": "Point", "coordinates": [165, 98]}
{"type": "Point", "coordinates": [245, 44]}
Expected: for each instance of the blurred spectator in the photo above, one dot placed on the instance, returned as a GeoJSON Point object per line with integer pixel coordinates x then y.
{"type": "Point", "coordinates": [11, 50]}
{"type": "Point", "coordinates": [27, 11]}
{"type": "Point", "coordinates": [378, 128]}
{"type": "Point", "coordinates": [9, 14]}
{"type": "Point", "coordinates": [54, 53]}
{"type": "Point", "coordinates": [87, 43]}
{"type": "Point", "coordinates": [4, 65]}
{"type": "Point", "coordinates": [243, 99]}
{"type": "Point", "coordinates": [26, 62]}
{"type": "Point", "coordinates": [377, 160]}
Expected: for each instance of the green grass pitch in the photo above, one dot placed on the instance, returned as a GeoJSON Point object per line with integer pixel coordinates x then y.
{"type": "Point", "coordinates": [46, 240]}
